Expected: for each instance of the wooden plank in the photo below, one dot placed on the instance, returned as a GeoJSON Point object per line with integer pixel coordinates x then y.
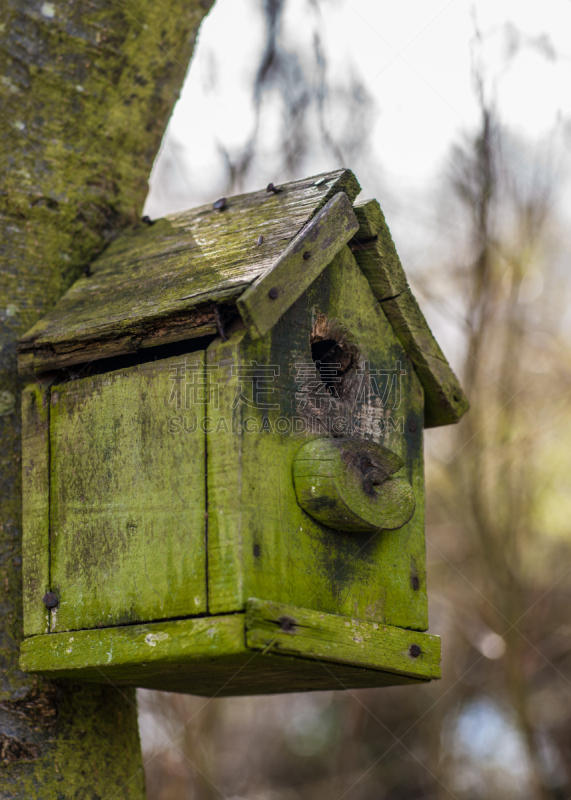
{"type": "Point", "coordinates": [206, 656]}
{"type": "Point", "coordinates": [279, 628]}
{"type": "Point", "coordinates": [128, 497]}
{"type": "Point", "coordinates": [303, 260]}
{"type": "Point", "coordinates": [375, 252]}
{"type": "Point", "coordinates": [159, 283]}
{"type": "Point", "coordinates": [261, 542]}
{"type": "Point", "coordinates": [35, 508]}
{"type": "Point", "coordinates": [224, 448]}
{"type": "Point", "coordinates": [445, 402]}
{"type": "Point", "coordinates": [131, 646]}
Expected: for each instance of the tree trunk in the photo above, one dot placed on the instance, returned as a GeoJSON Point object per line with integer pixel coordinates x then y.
{"type": "Point", "coordinates": [87, 88]}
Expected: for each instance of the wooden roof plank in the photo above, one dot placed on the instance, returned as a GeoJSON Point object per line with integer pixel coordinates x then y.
{"type": "Point", "coordinates": [303, 260]}
{"type": "Point", "coordinates": [375, 252]}
{"type": "Point", "coordinates": [179, 267]}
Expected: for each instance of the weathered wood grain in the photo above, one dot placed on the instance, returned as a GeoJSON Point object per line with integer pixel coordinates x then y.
{"type": "Point", "coordinates": [130, 646]}
{"type": "Point", "coordinates": [127, 497]}
{"type": "Point", "coordinates": [302, 261]}
{"type": "Point", "coordinates": [348, 485]}
{"type": "Point", "coordinates": [445, 401]}
{"type": "Point", "coordinates": [261, 543]}
{"type": "Point", "coordinates": [237, 654]}
{"type": "Point", "coordinates": [375, 252]}
{"type": "Point", "coordinates": [278, 628]}
{"type": "Point", "coordinates": [35, 508]}
{"type": "Point", "coordinates": [160, 282]}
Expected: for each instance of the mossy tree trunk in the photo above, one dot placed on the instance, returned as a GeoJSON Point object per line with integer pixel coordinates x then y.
{"type": "Point", "coordinates": [87, 89]}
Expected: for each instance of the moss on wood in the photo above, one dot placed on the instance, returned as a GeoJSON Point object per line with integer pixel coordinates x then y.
{"type": "Point", "coordinates": [241, 654]}
{"type": "Point", "coordinates": [158, 284]}
{"type": "Point", "coordinates": [376, 254]}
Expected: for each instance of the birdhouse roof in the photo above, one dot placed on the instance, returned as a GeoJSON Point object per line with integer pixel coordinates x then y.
{"type": "Point", "coordinates": [255, 253]}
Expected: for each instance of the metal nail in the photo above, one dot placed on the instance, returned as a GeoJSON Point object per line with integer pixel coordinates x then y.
{"type": "Point", "coordinates": [287, 624]}
{"type": "Point", "coordinates": [260, 239]}
{"type": "Point", "coordinates": [50, 600]}
{"type": "Point", "coordinates": [271, 188]}
{"type": "Point", "coordinates": [220, 205]}
{"type": "Point", "coordinates": [306, 255]}
{"type": "Point", "coordinates": [273, 293]}
{"type": "Point", "coordinates": [147, 220]}
{"type": "Point", "coordinates": [415, 650]}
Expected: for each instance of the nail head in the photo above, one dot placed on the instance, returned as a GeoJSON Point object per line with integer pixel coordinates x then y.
{"type": "Point", "coordinates": [306, 255]}
{"type": "Point", "coordinates": [50, 600]}
{"type": "Point", "coordinates": [273, 293]}
{"type": "Point", "coordinates": [220, 205]}
{"type": "Point", "coordinates": [415, 650]}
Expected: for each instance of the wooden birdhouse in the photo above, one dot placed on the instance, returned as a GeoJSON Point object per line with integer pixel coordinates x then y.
{"type": "Point", "coordinates": [223, 454]}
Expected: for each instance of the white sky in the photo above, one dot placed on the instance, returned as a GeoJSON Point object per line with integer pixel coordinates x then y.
{"type": "Point", "coordinates": [414, 57]}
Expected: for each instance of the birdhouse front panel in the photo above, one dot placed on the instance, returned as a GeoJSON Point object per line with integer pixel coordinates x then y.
{"type": "Point", "coordinates": [223, 455]}
{"type": "Point", "coordinates": [127, 502]}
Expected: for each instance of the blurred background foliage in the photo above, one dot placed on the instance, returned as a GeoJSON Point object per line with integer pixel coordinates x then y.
{"type": "Point", "coordinates": [492, 276]}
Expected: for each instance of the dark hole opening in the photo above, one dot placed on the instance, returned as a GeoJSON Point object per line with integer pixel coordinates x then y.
{"type": "Point", "coordinates": [332, 362]}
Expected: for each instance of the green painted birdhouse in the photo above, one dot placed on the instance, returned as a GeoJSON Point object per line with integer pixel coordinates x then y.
{"type": "Point", "coordinates": [223, 454]}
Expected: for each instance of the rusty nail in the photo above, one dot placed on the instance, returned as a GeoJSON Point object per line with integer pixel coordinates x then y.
{"type": "Point", "coordinates": [220, 205]}
{"type": "Point", "coordinates": [287, 624]}
{"type": "Point", "coordinates": [273, 293]}
{"type": "Point", "coordinates": [412, 425]}
{"type": "Point", "coordinates": [87, 271]}
{"type": "Point", "coordinates": [415, 650]}
{"type": "Point", "coordinates": [260, 239]}
{"type": "Point", "coordinates": [306, 255]}
{"type": "Point", "coordinates": [415, 583]}
{"type": "Point", "coordinates": [271, 188]}
{"type": "Point", "coordinates": [50, 600]}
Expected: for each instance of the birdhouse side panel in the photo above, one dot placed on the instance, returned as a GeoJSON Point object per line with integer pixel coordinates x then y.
{"type": "Point", "coordinates": [127, 500]}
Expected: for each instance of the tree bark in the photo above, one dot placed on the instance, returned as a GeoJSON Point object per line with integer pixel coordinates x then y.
{"type": "Point", "coordinates": [87, 89]}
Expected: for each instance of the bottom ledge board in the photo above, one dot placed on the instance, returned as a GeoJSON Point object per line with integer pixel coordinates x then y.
{"type": "Point", "coordinates": [269, 648]}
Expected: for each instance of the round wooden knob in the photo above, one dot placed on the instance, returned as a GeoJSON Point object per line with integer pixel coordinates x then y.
{"type": "Point", "coordinates": [346, 484]}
